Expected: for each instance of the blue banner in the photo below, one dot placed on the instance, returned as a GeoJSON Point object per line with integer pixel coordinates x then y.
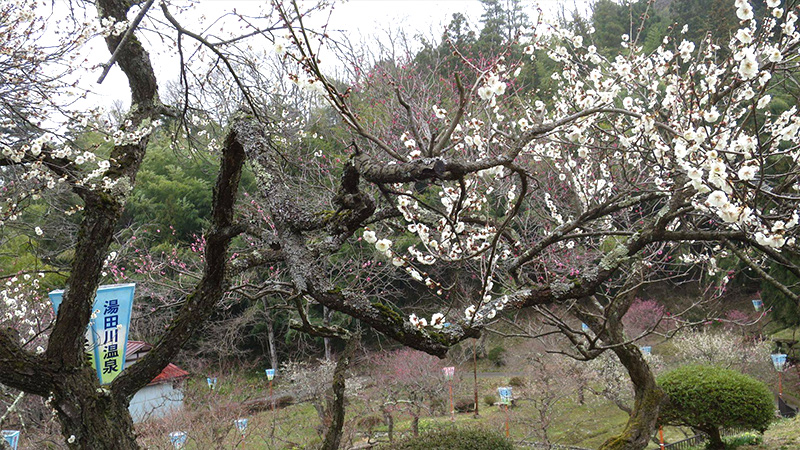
{"type": "Point", "coordinates": [241, 424]}
{"type": "Point", "coordinates": [107, 335]}
{"type": "Point", "coordinates": [779, 361]}
{"type": "Point", "coordinates": [12, 437]}
{"type": "Point", "coordinates": [178, 439]}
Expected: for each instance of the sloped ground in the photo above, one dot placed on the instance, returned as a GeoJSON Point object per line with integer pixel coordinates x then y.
{"type": "Point", "coordinates": [783, 435]}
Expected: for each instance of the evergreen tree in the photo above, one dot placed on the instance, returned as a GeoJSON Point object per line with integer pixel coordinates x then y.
{"type": "Point", "coordinates": [502, 20]}
{"type": "Point", "coordinates": [784, 310]}
{"type": "Point", "coordinates": [696, 15]}
{"type": "Point", "coordinates": [640, 21]}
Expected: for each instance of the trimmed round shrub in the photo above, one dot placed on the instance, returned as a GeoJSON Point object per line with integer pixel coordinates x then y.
{"type": "Point", "coordinates": [517, 382]}
{"type": "Point", "coordinates": [453, 439]}
{"type": "Point", "coordinates": [490, 400]}
{"type": "Point", "coordinates": [709, 398]}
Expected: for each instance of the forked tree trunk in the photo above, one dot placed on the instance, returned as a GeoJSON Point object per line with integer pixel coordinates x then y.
{"type": "Point", "coordinates": [648, 397]}
{"type": "Point", "coordinates": [92, 418]}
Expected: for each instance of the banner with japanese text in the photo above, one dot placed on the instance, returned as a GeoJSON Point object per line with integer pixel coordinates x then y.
{"type": "Point", "coordinates": [107, 335]}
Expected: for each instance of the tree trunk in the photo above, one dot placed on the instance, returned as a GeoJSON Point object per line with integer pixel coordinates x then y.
{"type": "Point", "coordinates": [92, 418]}
{"type": "Point", "coordinates": [388, 419]}
{"type": "Point", "coordinates": [475, 375]}
{"type": "Point", "coordinates": [326, 320]}
{"type": "Point", "coordinates": [273, 349]}
{"type": "Point", "coordinates": [648, 397]}
{"type": "Point", "coordinates": [714, 439]}
{"type": "Point", "coordinates": [415, 426]}
{"type": "Point", "coordinates": [333, 435]}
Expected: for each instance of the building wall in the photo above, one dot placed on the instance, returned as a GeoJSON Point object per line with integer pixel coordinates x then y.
{"type": "Point", "coordinates": [155, 401]}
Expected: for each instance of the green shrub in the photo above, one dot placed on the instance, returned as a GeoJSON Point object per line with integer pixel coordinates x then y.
{"type": "Point", "coordinates": [497, 356]}
{"type": "Point", "coordinates": [490, 400]}
{"type": "Point", "coordinates": [440, 405]}
{"type": "Point", "coordinates": [517, 382]}
{"type": "Point", "coordinates": [453, 439]}
{"type": "Point", "coordinates": [710, 398]}
{"type": "Point", "coordinates": [464, 404]}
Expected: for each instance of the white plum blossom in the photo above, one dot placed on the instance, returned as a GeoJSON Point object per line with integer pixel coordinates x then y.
{"type": "Point", "coordinates": [770, 240]}
{"type": "Point", "coordinates": [773, 55]}
{"type": "Point", "coordinates": [711, 115]}
{"type": "Point", "coordinates": [744, 35]}
{"type": "Point", "coordinates": [417, 322]}
{"type": "Point", "coordinates": [383, 245]}
{"type": "Point", "coordinates": [370, 237]}
{"type": "Point", "coordinates": [437, 320]}
{"type": "Point", "coordinates": [695, 174]}
{"type": "Point", "coordinates": [748, 66]}
{"type": "Point", "coordinates": [747, 173]}
{"type": "Point", "coordinates": [469, 313]}
{"type": "Point", "coordinates": [717, 198]}
{"type": "Point", "coordinates": [494, 87]}
{"type": "Point", "coordinates": [627, 103]}
{"type": "Point", "coordinates": [686, 48]}
{"type": "Point", "coordinates": [745, 12]}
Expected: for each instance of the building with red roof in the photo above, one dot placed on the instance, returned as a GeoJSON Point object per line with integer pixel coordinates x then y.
{"type": "Point", "coordinates": [163, 395]}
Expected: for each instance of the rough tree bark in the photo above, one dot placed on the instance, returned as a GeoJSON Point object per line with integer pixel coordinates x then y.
{"type": "Point", "coordinates": [648, 397]}
{"type": "Point", "coordinates": [333, 435]}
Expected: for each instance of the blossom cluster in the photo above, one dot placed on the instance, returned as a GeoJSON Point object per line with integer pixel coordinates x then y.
{"type": "Point", "coordinates": [674, 121]}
